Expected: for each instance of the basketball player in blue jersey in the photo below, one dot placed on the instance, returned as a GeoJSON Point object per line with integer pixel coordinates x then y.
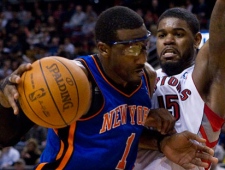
{"type": "Point", "coordinates": [107, 136]}
{"type": "Point", "coordinates": [189, 84]}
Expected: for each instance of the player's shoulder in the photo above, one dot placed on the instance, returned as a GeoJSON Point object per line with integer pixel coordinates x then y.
{"type": "Point", "coordinates": [160, 72]}
{"type": "Point", "coordinates": [81, 65]}
{"type": "Point", "coordinates": [150, 70]}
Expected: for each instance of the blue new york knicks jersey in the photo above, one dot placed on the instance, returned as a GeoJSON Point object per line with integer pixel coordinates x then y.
{"type": "Point", "coordinates": [108, 138]}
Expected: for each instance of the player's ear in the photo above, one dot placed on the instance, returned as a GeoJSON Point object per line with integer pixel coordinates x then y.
{"type": "Point", "coordinates": [198, 39]}
{"type": "Point", "coordinates": [103, 49]}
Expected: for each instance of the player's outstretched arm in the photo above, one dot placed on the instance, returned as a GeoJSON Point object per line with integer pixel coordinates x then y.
{"type": "Point", "coordinates": [216, 29]}
{"type": "Point", "coordinates": [12, 127]}
{"type": "Point", "coordinates": [184, 149]}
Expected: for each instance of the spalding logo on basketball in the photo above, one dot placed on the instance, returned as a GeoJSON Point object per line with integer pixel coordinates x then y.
{"type": "Point", "coordinates": [54, 93]}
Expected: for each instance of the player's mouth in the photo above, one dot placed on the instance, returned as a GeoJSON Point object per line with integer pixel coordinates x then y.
{"type": "Point", "coordinates": [169, 54]}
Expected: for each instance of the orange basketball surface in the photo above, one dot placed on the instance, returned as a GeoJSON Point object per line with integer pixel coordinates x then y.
{"type": "Point", "coordinates": [54, 93]}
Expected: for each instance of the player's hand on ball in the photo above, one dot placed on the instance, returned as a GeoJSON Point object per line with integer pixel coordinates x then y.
{"type": "Point", "coordinates": [9, 93]}
{"type": "Point", "coordinates": [184, 149]}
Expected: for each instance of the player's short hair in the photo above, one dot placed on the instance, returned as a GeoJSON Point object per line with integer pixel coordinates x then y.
{"type": "Point", "coordinates": [113, 19]}
{"type": "Point", "coordinates": [182, 14]}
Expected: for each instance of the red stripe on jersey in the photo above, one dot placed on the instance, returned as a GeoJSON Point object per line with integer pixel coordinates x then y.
{"type": "Point", "coordinates": [216, 123]}
{"type": "Point", "coordinates": [204, 135]}
{"type": "Point", "coordinates": [215, 120]}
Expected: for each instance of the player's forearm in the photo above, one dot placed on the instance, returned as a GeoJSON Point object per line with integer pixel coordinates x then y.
{"type": "Point", "coordinates": [148, 139]}
{"type": "Point", "coordinates": [12, 127]}
{"type": "Point", "coordinates": [217, 28]}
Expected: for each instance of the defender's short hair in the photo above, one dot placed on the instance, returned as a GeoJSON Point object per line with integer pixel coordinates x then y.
{"type": "Point", "coordinates": [113, 19]}
{"type": "Point", "coordinates": [183, 14]}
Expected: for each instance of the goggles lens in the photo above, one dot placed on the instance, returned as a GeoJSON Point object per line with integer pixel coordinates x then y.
{"type": "Point", "coordinates": [133, 50]}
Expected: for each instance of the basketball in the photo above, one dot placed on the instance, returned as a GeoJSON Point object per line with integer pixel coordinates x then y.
{"type": "Point", "coordinates": [54, 93]}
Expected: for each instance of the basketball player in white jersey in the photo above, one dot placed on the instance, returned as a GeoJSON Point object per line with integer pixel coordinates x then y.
{"type": "Point", "coordinates": [190, 84]}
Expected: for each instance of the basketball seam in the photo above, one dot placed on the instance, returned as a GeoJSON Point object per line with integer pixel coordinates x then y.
{"type": "Point", "coordinates": [78, 96]}
{"type": "Point", "coordinates": [57, 108]}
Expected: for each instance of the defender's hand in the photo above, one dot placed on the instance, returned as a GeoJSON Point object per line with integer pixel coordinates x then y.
{"type": "Point", "coordinates": [184, 149]}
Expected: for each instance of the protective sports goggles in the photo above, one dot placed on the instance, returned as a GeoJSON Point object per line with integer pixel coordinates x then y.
{"type": "Point", "coordinates": [135, 46]}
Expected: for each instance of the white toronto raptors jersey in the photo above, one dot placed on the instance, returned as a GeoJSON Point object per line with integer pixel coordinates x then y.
{"type": "Point", "coordinates": [179, 95]}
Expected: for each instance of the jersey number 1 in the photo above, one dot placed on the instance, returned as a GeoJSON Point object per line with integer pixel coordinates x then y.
{"type": "Point", "coordinates": [122, 163]}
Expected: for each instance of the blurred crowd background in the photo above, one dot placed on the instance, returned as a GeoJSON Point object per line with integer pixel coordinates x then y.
{"type": "Point", "coordinates": [31, 29]}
